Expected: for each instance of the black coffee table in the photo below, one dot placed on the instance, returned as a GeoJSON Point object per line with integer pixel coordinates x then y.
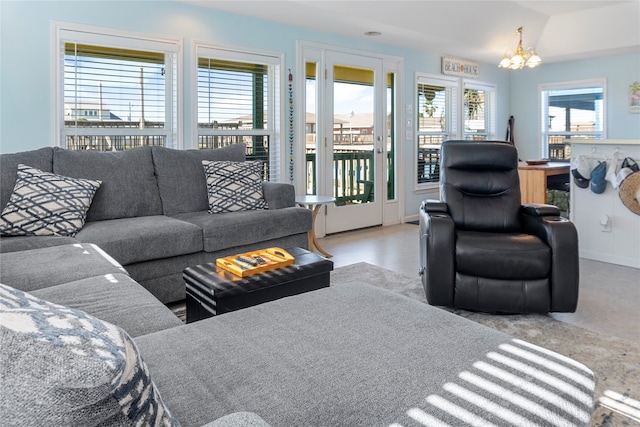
{"type": "Point", "coordinates": [212, 291]}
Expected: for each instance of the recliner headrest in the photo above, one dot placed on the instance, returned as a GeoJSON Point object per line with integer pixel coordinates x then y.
{"type": "Point", "coordinates": [480, 184]}
{"type": "Point", "coordinates": [479, 155]}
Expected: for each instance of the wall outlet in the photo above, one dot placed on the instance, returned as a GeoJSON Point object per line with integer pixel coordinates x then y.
{"type": "Point", "coordinates": [605, 224]}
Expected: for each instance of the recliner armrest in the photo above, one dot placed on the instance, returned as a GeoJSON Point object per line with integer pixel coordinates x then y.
{"type": "Point", "coordinates": [562, 237]}
{"type": "Point", "coordinates": [437, 252]}
{"type": "Point", "coordinates": [540, 209]}
{"type": "Point", "coordinates": [434, 206]}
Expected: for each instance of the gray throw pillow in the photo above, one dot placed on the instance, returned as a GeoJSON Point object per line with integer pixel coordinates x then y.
{"type": "Point", "coordinates": [47, 204]}
{"type": "Point", "coordinates": [234, 186]}
{"type": "Point", "coordinates": [61, 366]}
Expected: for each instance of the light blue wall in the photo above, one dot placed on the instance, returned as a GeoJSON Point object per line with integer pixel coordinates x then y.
{"type": "Point", "coordinates": [25, 68]}
{"type": "Point", "coordinates": [25, 62]}
{"type": "Point", "coordinates": [618, 70]}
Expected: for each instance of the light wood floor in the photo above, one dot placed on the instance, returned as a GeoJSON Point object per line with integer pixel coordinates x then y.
{"type": "Point", "coordinates": [609, 299]}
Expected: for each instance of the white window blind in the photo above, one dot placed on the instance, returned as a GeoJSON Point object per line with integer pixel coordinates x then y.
{"type": "Point", "coordinates": [232, 94]}
{"type": "Point", "coordinates": [436, 122]}
{"type": "Point", "coordinates": [116, 92]}
{"type": "Point", "coordinates": [238, 102]}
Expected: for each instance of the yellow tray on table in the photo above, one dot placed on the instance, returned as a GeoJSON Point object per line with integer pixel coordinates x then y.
{"type": "Point", "coordinates": [254, 262]}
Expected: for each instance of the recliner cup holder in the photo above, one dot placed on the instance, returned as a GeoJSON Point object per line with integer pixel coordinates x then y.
{"type": "Point", "coordinates": [556, 219]}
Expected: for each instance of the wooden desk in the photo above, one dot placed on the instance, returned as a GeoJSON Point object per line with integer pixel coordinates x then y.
{"type": "Point", "coordinates": [533, 179]}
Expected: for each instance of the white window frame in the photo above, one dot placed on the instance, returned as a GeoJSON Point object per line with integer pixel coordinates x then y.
{"type": "Point", "coordinates": [453, 125]}
{"type": "Point", "coordinates": [395, 67]}
{"type": "Point", "coordinates": [70, 32]}
{"type": "Point", "coordinates": [543, 104]}
{"type": "Point", "coordinates": [275, 107]}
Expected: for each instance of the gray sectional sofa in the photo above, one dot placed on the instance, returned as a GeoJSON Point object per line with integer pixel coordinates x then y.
{"type": "Point", "coordinates": [150, 212]}
{"type": "Point", "coordinates": [83, 343]}
{"type": "Point", "coordinates": [349, 355]}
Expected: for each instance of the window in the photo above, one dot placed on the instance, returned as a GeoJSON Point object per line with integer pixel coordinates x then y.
{"type": "Point", "coordinates": [238, 102]}
{"type": "Point", "coordinates": [450, 108]}
{"type": "Point", "coordinates": [114, 91]}
{"type": "Point", "coordinates": [479, 103]}
{"type": "Point", "coordinates": [570, 111]}
{"type": "Point", "coordinates": [436, 122]}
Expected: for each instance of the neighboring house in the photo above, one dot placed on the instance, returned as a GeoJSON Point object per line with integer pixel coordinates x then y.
{"type": "Point", "coordinates": [88, 111]}
{"type": "Point", "coordinates": [353, 128]}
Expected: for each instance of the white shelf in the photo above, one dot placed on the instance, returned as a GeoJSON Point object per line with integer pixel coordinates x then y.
{"type": "Point", "coordinates": [603, 141]}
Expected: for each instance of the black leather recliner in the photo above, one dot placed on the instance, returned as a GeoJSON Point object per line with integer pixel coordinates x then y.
{"type": "Point", "coordinates": [482, 250]}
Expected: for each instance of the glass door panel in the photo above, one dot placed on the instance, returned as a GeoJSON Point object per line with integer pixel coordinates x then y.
{"type": "Point", "coordinates": [355, 142]}
{"type": "Point", "coordinates": [353, 139]}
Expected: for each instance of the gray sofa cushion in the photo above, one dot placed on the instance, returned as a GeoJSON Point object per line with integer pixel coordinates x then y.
{"type": "Point", "coordinates": [41, 159]}
{"type": "Point", "coordinates": [356, 355]}
{"type": "Point", "coordinates": [44, 267]}
{"type": "Point", "coordinates": [181, 178]}
{"type": "Point", "coordinates": [114, 298]}
{"type": "Point", "coordinates": [129, 187]}
{"type": "Point", "coordinates": [23, 243]}
{"type": "Point", "coordinates": [221, 231]}
{"type": "Point", "coordinates": [131, 240]}
{"type": "Point", "coordinates": [163, 277]}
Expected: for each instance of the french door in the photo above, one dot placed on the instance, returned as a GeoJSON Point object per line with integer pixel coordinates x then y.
{"type": "Point", "coordinates": [351, 134]}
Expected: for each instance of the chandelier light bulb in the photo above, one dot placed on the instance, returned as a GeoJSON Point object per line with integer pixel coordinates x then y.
{"type": "Point", "coordinates": [517, 61]}
{"type": "Point", "coordinates": [505, 61]}
{"type": "Point", "coordinates": [534, 60]}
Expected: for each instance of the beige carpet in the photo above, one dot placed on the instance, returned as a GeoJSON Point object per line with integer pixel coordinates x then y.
{"type": "Point", "coordinates": [615, 362]}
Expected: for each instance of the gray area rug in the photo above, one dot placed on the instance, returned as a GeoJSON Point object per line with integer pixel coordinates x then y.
{"type": "Point", "coordinates": [615, 362]}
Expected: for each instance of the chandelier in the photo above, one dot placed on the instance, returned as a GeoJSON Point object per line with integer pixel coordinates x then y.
{"type": "Point", "coordinates": [521, 57]}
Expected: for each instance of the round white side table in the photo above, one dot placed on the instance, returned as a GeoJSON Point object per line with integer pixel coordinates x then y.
{"type": "Point", "coordinates": [314, 203]}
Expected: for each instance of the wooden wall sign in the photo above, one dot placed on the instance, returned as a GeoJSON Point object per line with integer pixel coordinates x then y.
{"type": "Point", "coordinates": [460, 67]}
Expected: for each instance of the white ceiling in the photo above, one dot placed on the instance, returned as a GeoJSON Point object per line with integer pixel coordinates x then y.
{"type": "Point", "coordinates": [473, 29]}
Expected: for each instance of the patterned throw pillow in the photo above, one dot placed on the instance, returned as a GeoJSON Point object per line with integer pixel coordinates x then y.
{"type": "Point", "coordinates": [61, 366]}
{"type": "Point", "coordinates": [234, 186]}
{"type": "Point", "coordinates": [46, 204]}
